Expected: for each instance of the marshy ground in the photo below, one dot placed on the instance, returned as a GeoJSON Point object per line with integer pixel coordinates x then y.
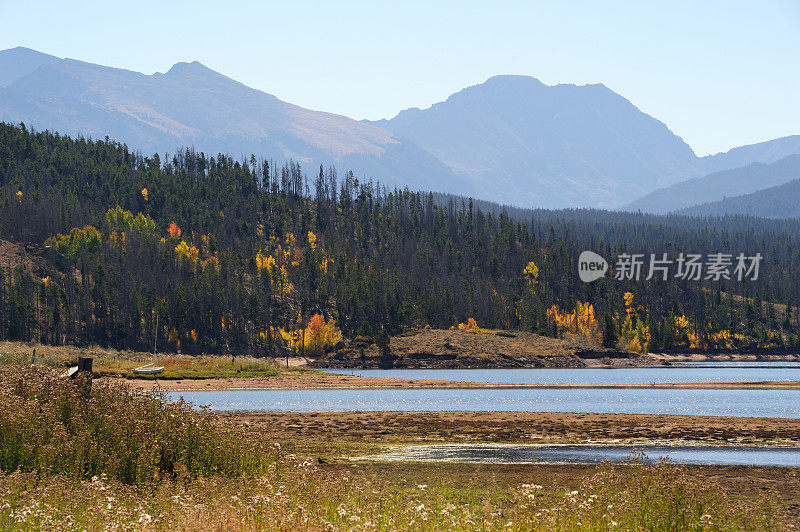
{"type": "Point", "coordinates": [332, 437]}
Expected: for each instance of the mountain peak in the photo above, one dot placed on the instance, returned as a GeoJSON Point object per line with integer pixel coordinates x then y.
{"type": "Point", "coordinates": [183, 68]}
{"type": "Point", "coordinates": [19, 61]}
{"type": "Point", "coordinates": [513, 78]}
{"type": "Point", "coordinates": [525, 142]}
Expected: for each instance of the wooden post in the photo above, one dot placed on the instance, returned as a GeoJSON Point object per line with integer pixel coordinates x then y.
{"type": "Point", "coordinates": [85, 364]}
{"type": "Point", "coordinates": [84, 375]}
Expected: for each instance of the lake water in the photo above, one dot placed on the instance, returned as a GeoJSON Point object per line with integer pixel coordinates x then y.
{"type": "Point", "coordinates": [742, 402]}
{"type": "Point", "coordinates": [589, 454]}
{"type": "Point", "coordinates": [720, 372]}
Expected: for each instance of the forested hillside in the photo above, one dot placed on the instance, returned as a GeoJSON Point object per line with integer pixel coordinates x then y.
{"type": "Point", "coordinates": [214, 254]}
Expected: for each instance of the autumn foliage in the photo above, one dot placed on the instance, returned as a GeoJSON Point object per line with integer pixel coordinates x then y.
{"type": "Point", "coordinates": [78, 241]}
{"type": "Point", "coordinates": [316, 339]}
{"type": "Point", "coordinates": [635, 333]}
{"type": "Point", "coordinates": [684, 334]}
{"type": "Point", "coordinates": [580, 321]}
{"type": "Point", "coordinates": [321, 335]}
{"type": "Point", "coordinates": [471, 326]}
{"type": "Point", "coordinates": [173, 230]}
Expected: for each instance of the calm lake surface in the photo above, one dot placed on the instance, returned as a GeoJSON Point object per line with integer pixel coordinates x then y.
{"type": "Point", "coordinates": [741, 403]}
{"type": "Point", "coordinates": [589, 454]}
{"type": "Point", "coordinates": [718, 372]}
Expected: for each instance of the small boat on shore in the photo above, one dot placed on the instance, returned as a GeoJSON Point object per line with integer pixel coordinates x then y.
{"type": "Point", "coordinates": [149, 369]}
{"type": "Point", "coordinates": [69, 373]}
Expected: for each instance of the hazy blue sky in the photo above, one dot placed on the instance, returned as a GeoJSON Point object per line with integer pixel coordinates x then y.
{"type": "Point", "coordinates": [718, 73]}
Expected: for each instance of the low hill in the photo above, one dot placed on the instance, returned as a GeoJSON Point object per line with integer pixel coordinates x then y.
{"type": "Point", "coordinates": [457, 349]}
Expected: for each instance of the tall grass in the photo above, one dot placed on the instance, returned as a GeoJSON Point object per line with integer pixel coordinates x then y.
{"type": "Point", "coordinates": [51, 425]}
{"type": "Point", "coordinates": [638, 496]}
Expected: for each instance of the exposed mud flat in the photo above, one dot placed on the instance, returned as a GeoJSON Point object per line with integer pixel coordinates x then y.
{"type": "Point", "coordinates": [518, 427]}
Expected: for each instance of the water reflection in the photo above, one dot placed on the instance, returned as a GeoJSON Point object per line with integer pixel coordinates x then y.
{"type": "Point", "coordinates": [590, 454]}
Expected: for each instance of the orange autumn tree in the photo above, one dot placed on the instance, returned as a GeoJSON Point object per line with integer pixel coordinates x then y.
{"type": "Point", "coordinates": [187, 252]}
{"type": "Point", "coordinates": [580, 321]}
{"type": "Point", "coordinates": [321, 335]}
{"type": "Point", "coordinates": [471, 326]}
{"type": "Point", "coordinates": [316, 339]}
{"type": "Point", "coordinates": [173, 230]}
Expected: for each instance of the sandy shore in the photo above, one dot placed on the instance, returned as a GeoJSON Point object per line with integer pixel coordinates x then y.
{"type": "Point", "coordinates": [332, 381]}
{"type": "Point", "coordinates": [516, 427]}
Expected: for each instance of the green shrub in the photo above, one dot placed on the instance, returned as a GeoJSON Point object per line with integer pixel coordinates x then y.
{"type": "Point", "coordinates": [51, 425]}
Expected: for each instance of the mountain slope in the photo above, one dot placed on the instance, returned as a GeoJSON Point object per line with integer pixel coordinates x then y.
{"type": "Point", "coordinates": [533, 144]}
{"type": "Point", "coordinates": [774, 202]}
{"type": "Point", "coordinates": [763, 152]}
{"type": "Point", "coordinates": [718, 185]}
{"type": "Point", "coordinates": [18, 62]}
{"type": "Point", "coordinates": [193, 105]}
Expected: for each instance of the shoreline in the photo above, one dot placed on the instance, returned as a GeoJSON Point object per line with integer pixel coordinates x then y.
{"type": "Point", "coordinates": [332, 381]}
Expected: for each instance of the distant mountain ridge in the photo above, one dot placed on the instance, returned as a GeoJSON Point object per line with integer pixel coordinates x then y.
{"type": "Point", "coordinates": [762, 152]}
{"type": "Point", "coordinates": [511, 139]}
{"type": "Point", "coordinates": [192, 105]}
{"type": "Point", "coordinates": [782, 201]}
{"type": "Point", "coordinates": [718, 185]}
